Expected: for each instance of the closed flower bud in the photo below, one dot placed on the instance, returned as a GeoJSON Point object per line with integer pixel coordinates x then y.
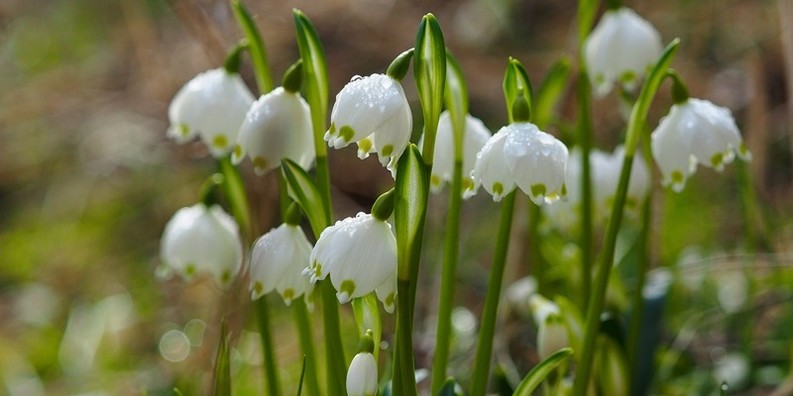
{"type": "Point", "coordinates": [212, 105]}
{"type": "Point", "coordinates": [374, 112]}
{"type": "Point", "coordinates": [620, 50]}
{"type": "Point", "coordinates": [200, 240]}
{"type": "Point", "coordinates": [359, 254]}
{"type": "Point", "coordinates": [278, 259]}
{"type": "Point", "coordinates": [362, 375]}
{"type": "Point", "coordinates": [521, 155]}
{"type": "Point", "coordinates": [474, 138]}
{"type": "Point", "coordinates": [277, 126]}
{"type": "Point", "coordinates": [695, 132]}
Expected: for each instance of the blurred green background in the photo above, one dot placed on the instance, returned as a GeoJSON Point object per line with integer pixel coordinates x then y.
{"type": "Point", "coordinates": [88, 180]}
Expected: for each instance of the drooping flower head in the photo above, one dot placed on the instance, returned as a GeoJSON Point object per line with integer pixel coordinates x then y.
{"type": "Point", "coordinates": [277, 126]}
{"type": "Point", "coordinates": [521, 155]}
{"type": "Point", "coordinates": [474, 138]}
{"type": "Point", "coordinates": [374, 112]}
{"type": "Point", "coordinates": [212, 105]}
{"type": "Point", "coordinates": [620, 50]}
{"type": "Point", "coordinates": [359, 254]}
{"type": "Point", "coordinates": [200, 240]}
{"type": "Point", "coordinates": [278, 259]}
{"type": "Point", "coordinates": [695, 132]}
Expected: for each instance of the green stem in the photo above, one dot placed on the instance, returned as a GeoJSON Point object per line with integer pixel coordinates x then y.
{"type": "Point", "coordinates": [484, 348]}
{"type": "Point", "coordinates": [535, 256]}
{"type": "Point", "coordinates": [448, 280]}
{"type": "Point", "coordinates": [584, 129]}
{"type": "Point", "coordinates": [403, 349]}
{"type": "Point", "coordinates": [638, 295]}
{"type": "Point", "coordinates": [255, 46]}
{"type": "Point", "coordinates": [268, 347]}
{"type": "Point", "coordinates": [304, 327]}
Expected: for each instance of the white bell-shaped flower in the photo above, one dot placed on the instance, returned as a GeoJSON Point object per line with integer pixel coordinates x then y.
{"type": "Point", "coordinates": [551, 335]}
{"type": "Point", "coordinates": [620, 49]}
{"type": "Point", "coordinates": [212, 105]}
{"type": "Point", "coordinates": [278, 259]}
{"type": "Point", "coordinates": [277, 126]}
{"type": "Point", "coordinates": [374, 112]}
{"type": "Point", "coordinates": [521, 155]}
{"type": "Point", "coordinates": [362, 375]}
{"type": "Point", "coordinates": [200, 240]}
{"type": "Point", "coordinates": [474, 138]}
{"type": "Point", "coordinates": [695, 132]}
{"type": "Point", "coordinates": [360, 255]}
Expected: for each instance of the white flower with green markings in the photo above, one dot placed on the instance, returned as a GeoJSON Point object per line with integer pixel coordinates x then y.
{"type": "Point", "coordinates": [212, 105]}
{"type": "Point", "coordinates": [202, 241]}
{"type": "Point", "coordinates": [520, 155]}
{"type": "Point", "coordinates": [278, 259]}
{"type": "Point", "coordinates": [277, 126]}
{"type": "Point", "coordinates": [360, 256]}
{"type": "Point", "coordinates": [620, 49]}
{"type": "Point", "coordinates": [374, 112]}
{"type": "Point", "coordinates": [695, 132]}
{"type": "Point", "coordinates": [474, 138]}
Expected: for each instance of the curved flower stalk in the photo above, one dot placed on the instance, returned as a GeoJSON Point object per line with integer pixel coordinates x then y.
{"type": "Point", "coordinates": [374, 112]}
{"type": "Point", "coordinates": [212, 105]}
{"type": "Point", "coordinates": [521, 155]}
{"type": "Point", "coordinates": [695, 132]}
{"type": "Point", "coordinates": [202, 241]}
{"type": "Point", "coordinates": [277, 126]}
{"type": "Point", "coordinates": [475, 136]}
{"type": "Point", "coordinates": [359, 255]}
{"type": "Point", "coordinates": [278, 259]}
{"type": "Point", "coordinates": [620, 50]}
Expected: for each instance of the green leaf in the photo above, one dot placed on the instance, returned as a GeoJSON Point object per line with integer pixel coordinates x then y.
{"type": "Point", "coordinates": [456, 98]}
{"type": "Point", "coordinates": [516, 87]}
{"type": "Point", "coordinates": [586, 17]}
{"type": "Point", "coordinates": [429, 69]}
{"type": "Point", "coordinates": [255, 46]}
{"type": "Point", "coordinates": [304, 191]}
{"type": "Point", "coordinates": [315, 77]}
{"type": "Point", "coordinates": [572, 320]}
{"type": "Point", "coordinates": [234, 189]}
{"type": "Point", "coordinates": [367, 317]}
{"type": "Point", "coordinates": [302, 377]}
{"type": "Point", "coordinates": [550, 91]}
{"type": "Point", "coordinates": [538, 374]}
{"type": "Point", "coordinates": [412, 188]}
{"type": "Point", "coordinates": [222, 365]}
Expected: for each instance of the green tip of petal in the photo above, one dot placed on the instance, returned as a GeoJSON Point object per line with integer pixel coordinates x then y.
{"type": "Point", "coordinates": [498, 188]}
{"type": "Point", "coordinates": [538, 190]}
{"type": "Point", "coordinates": [717, 161]}
{"type": "Point", "coordinates": [387, 150]}
{"type": "Point", "coordinates": [288, 295]}
{"type": "Point", "coordinates": [225, 277]}
{"type": "Point", "coordinates": [347, 287]}
{"type": "Point", "coordinates": [346, 133]}
{"type": "Point", "coordinates": [190, 269]}
{"type": "Point", "coordinates": [258, 288]}
{"type": "Point", "coordinates": [260, 163]}
{"type": "Point", "coordinates": [220, 141]}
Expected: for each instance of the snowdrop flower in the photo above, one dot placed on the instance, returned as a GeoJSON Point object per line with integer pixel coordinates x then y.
{"type": "Point", "coordinates": [475, 136]}
{"type": "Point", "coordinates": [362, 375]}
{"type": "Point", "coordinates": [521, 155]}
{"type": "Point", "coordinates": [278, 259]}
{"type": "Point", "coordinates": [277, 126]}
{"type": "Point", "coordinates": [211, 105]}
{"type": "Point", "coordinates": [609, 178]}
{"type": "Point", "coordinates": [374, 112]}
{"type": "Point", "coordinates": [359, 253]}
{"type": "Point", "coordinates": [695, 132]}
{"type": "Point", "coordinates": [551, 335]}
{"type": "Point", "coordinates": [620, 49]}
{"type": "Point", "coordinates": [200, 240]}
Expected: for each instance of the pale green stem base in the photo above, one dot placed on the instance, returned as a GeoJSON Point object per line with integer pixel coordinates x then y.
{"type": "Point", "coordinates": [268, 348]}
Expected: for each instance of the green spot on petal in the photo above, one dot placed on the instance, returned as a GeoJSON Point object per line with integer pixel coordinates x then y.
{"type": "Point", "coordinates": [258, 287]}
{"type": "Point", "coordinates": [717, 160]}
{"type": "Point", "coordinates": [184, 130]}
{"type": "Point", "coordinates": [288, 294]}
{"type": "Point", "coordinates": [225, 277]}
{"type": "Point", "coordinates": [564, 190]}
{"type": "Point", "coordinates": [346, 133]}
{"type": "Point", "coordinates": [220, 141]}
{"type": "Point", "coordinates": [389, 301]}
{"type": "Point", "coordinates": [332, 129]}
{"type": "Point", "coordinates": [498, 188]}
{"type": "Point", "coordinates": [538, 190]}
{"type": "Point", "coordinates": [468, 184]}
{"type": "Point", "coordinates": [387, 150]}
{"type": "Point", "coordinates": [260, 163]}
{"type": "Point", "coordinates": [628, 76]}
{"type": "Point", "coordinates": [189, 269]}
{"type": "Point", "coordinates": [677, 177]}
{"type": "Point", "coordinates": [237, 151]}
{"type": "Point", "coordinates": [436, 180]}
{"type": "Point", "coordinates": [365, 145]}
{"type": "Point", "coordinates": [348, 287]}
